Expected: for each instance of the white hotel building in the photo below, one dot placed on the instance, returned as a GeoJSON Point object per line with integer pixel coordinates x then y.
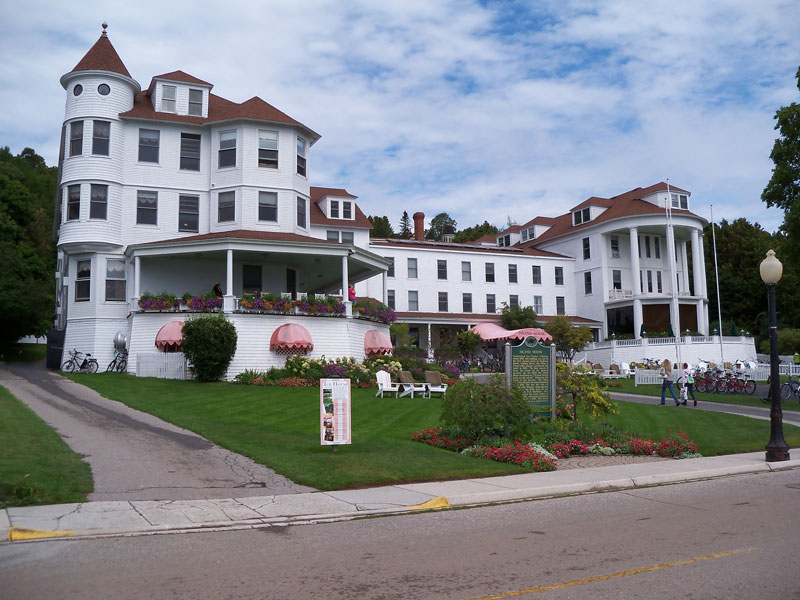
{"type": "Point", "coordinates": [173, 189]}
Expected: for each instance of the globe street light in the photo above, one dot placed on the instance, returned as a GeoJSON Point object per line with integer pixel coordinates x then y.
{"type": "Point", "coordinates": [777, 449]}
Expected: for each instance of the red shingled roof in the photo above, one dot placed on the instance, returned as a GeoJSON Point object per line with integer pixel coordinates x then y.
{"type": "Point", "coordinates": [102, 57]}
{"type": "Point", "coordinates": [468, 247]}
{"type": "Point", "coordinates": [320, 218]}
{"type": "Point", "coordinates": [180, 76]}
{"type": "Point", "coordinates": [244, 234]}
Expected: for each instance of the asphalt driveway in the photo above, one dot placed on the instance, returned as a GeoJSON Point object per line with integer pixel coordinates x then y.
{"type": "Point", "coordinates": [134, 455]}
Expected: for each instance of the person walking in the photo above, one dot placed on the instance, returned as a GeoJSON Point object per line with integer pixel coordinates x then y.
{"type": "Point", "coordinates": [687, 378]}
{"type": "Point", "coordinates": [666, 382]}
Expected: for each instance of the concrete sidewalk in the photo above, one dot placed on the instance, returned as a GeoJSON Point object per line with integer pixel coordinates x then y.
{"type": "Point", "coordinates": [144, 517]}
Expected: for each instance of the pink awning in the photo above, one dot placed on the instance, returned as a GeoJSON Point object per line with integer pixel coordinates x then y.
{"type": "Point", "coordinates": [170, 337]}
{"type": "Point", "coordinates": [493, 331]}
{"type": "Point", "coordinates": [377, 342]}
{"type": "Point", "coordinates": [291, 338]}
{"type": "Point", "coordinates": [521, 334]}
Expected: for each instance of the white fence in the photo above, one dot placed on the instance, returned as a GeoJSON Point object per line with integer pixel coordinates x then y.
{"type": "Point", "coordinates": [165, 365]}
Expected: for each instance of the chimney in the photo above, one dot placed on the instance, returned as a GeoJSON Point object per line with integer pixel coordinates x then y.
{"type": "Point", "coordinates": [419, 226]}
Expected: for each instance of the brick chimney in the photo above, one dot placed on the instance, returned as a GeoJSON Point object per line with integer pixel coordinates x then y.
{"type": "Point", "coordinates": [419, 226]}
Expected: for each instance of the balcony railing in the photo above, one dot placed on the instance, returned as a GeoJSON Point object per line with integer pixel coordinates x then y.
{"type": "Point", "coordinates": [620, 294]}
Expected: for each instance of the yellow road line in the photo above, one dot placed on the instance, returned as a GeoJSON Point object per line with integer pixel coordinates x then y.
{"type": "Point", "coordinates": [557, 586]}
{"type": "Point", "coordinates": [24, 533]}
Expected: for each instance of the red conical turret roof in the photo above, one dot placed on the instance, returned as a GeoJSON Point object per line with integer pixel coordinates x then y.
{"type": "Point", "coordinates": [102, 57]}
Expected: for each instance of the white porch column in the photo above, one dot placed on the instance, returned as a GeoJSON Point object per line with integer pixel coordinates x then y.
{"type": "Point", "coordinates": [638, 318]}
{"type": "Point", "coordinates": [675, 319]}
{"type": "Point", "coordinates": [698, 271]}
{"type": "Point", "coordinates": [348, 306]}
{"type": "Point", "coordinates": [702, 253]}
{"type": "Point", "coordinates": [702, 324]}
{"type": "Point", "coordinates": [137, 270]}
{"type": "Point", "coordinates": [685, 268]}
{"type": "Point", "coordinates": [430, 349]}
{"type": "Point", "coordinates": [384, 283]}
{"type": "Point", "coordinates": [227, 299]}
{"type": "Point", "coordinates": [637, 290]}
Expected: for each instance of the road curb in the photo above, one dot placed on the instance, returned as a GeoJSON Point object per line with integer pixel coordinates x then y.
{"type": "Point", "coordinates": [5, 525]}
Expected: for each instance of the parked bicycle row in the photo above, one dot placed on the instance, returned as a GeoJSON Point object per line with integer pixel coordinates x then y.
{"type": "Point", "coordinates": [79, 362]}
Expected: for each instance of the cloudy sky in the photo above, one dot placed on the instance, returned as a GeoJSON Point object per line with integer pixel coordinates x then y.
{"type": "Point", "coordinates": [481, 109]}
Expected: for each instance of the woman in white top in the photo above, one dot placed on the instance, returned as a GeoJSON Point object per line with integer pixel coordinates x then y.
{"type": "Point", "coordinates": [687, 379]}
{"type": "Point", "coordinates": [667, 383]}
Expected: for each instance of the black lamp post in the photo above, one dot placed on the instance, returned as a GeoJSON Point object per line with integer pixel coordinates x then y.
{"type": "Point", "coordinates": [777, 449]}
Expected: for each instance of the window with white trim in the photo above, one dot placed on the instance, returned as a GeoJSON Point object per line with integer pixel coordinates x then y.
{"type": "Point", "coordinates": [680, 201]}
{"type": "Point", "coordinates": [196, 103]}
{"type": "Point", "coordinates": [334, 209]}
{"type": "Point", "coordinates": [413, 300]}
{"type": "Point", "coordinates": [168, 98]}
{"type": "Point", "coordinates": [442, 301]}
{"type": "Point", "coordinates": [659, 286]}
{"type": "Point", "coordinates": [347, 210]}
{"type": "Point", "coordinates": [587, 283]}
{"type": "Point", "coordinates": [227, 149]}
{"type": "Point", "coordinates": [538, 306]}
{"type": "Point", "coordinates": [390, 299]}
{"type": "Point", "coordinates": [491, 304]}
{"type": "Point", "coordinates": [226, 207]}
{"type": "Point", "coordinates": [616, 279]}
{"type": "Point", "coordinates": [466, 270]}
{"type": "Point", "coordinates": [489, 272]}
{"type": "Point", "coordinates": [657, 246]}
{"type": "Point", "coordinates": [614, 246]}
{"type": "Point", "coordinates": [301, 156]}
{"type": "Point", "coordinates": [83, 281]}
{"type": "Point", "coordinates": [512, 273]}
{"type": "Point", "coordinates": [348, 237]}
{"type": "Point", "coordinates": [412, 268]}
{"type": "Point", "coordinates": [148, 145]}
{"type": "Point", "coordinates": [73, 202]}
{"type": "Point", "coordinates": [98, 202]}
{"type": "Point", "coordinates": [268, 206]}
{"type": "Point", "coordinates": [268, 148]}
{"type": "Point", "coordinates": [441, 269]}
{"type": "Point", "coordinates": [587, 249]}
{"type": "Point", "coordinates": [301, 212]}
{"type": "Point", "coordinates": [115, 280]}
{"type": "Point", "coordinates": [560, 306]}
{"type": "Point", "coordinates": [188, 213]}
{"type": "Point", "coordinates": [536, 274]}
{"type": "Point", "coordinates": [390, 271]}
{"type": "Point", "coordinates": [76, 138]}
{"type": "Point", "coordinates": [559, 275]}
{"type": "Point", "coordinates": [146, 207]}
{"type": "Point", "coordinates": [190, 152]}
{"type": "Point", "coordinates": [513, 300]}
{"type": "Point", "coordinates": [581, 216]}
{"type": "Point", "coordinates": [101, 137]}
{"type": "Point", "coordinates": [466, 302]}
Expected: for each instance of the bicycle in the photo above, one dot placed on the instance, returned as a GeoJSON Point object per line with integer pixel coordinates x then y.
{"type": "Point", "coordinates": [789, 389]}
{"type": "Point", "coordinates": [78, 361]}
{"type": "Point", "coordinates": [120, 362]}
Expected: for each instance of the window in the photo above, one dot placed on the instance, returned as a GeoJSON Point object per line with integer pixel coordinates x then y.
{"type": "Point", "coordinates": [641, 284]}
{"type": "Point", "coordinates": [466, 303]}
{"type": "Point", "coordinates": [390, 271]}
{"type": "Point", "coordinates": [347, 210]}
{"type": "Point", "coordinates": [649, 281]}
{"type": "Point", "coordinates": [347, 237]}
{"type": "Point", "coordinates": [587, 251]}
{"type": "Point", "coordinates": [101, 131]}
{"type": "Point", "coordinates": [442, 301]}
{"type": "Point", "coordinates": [83, 281]}
{"type": "Point", "coordinates": [412, 268]}
{"type": "Point", "coordinates": [512, 273]}
{"type": "Point", "coordinates": [190, 151]}
{"type": "Point", "coordinates": [77, 90]}
{"type": "Point", "coordinates": [390, 298]}
{"type": "Point", "coordinates": [491, 305]}
{"type": "Point", "coordinates": [659, 287]}
{"type": "Point", "coordinates": [536, 274]}
{"type": "Point", "coordinates": [678, 282]}
{"type": "Point", "coordinates": [98, 203]}
{"type": "Point", "coordinates": [333, 236]}
{"type": "Point", "coordinates": [226, 207]}
{"type": "Point", "coordinates": [538, 306]}
{"type": "Point", "coordinates": [73, 202]}
{"type": "Point", "coordinates": [504, 240]}
{"type": "Point", "coordinates": [466, 270]}
{"type": "Point", "coordinates": [657, 247]}
{"type": "Point", "coordinates": [115, 280]}
{"type": "Point", "coordinates": [587, 282]}
{"type": "Point", "coordinates": [639, 243]}
{"type": "Point", "coordinates": [188, 213]}
{"type": "Point", "coordinates": [76, 138]}
{"type": "Point", "coordinates": [227, 149]}
{"type": "Point", "coordinates": [580, 216]}
{"type": "Point", "coordinates": [103, 89]}
{"type": "Point", "coordinates": [647, 246]}
{"type": "Point", "coordinates": [614, 246]}
{"type": "Point", "coordinates": [490, 272]}
{"type": "Point", "coordinates": [251, 279]}
{"type": "Point", "coordinates": [148, 145]}
{"type": "Point", "coordinates": [146, 207]}
{"type": "Point", "coordinates": [196, 103]}
{"type": "Point", "coordinates": [513, 300]}
{"type": "Point", "coordinates": [268, 148]}
{"type": "Point", "coordinates": [616, 279]}
{"type": "Point", "coordinates": [268, 206]}
{"type": "Point", "coordinates": [301, 212]}
{"type": "Point", "coordinates": [168, 98]}
{"type": "Point", "coordinates": [680, 201]}
{"type": "Point", "coordinates": [441, 269]}
{"type": "Point", "coordinates": [301, 156]}
{"type": "Point", "coordinates": [334, 209]}
{"type": "Point", "coordinates": [413, 300]}
{"type": "Point", "coordinates": [559, 272]}
{"type": "Point", "coordinates": [560, 310]}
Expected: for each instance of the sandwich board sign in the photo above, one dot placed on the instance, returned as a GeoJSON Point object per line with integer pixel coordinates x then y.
{"type": "Point", "coordinates": [334, 411]}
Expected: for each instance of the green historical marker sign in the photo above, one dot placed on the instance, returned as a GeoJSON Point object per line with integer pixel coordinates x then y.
{"type": "Point", "coordinates": [532, 367]}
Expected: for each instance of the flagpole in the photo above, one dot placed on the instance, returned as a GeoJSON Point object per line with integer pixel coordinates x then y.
{"type": "Point", "coordinates": [672, 256]}
{"type": "Point", "coordinates": [719, 304]}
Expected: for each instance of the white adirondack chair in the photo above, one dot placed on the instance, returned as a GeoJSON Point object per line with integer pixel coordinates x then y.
{"type": "Point", "coordinates": [385, 384]}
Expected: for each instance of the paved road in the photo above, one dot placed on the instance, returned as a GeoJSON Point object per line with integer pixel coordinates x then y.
{"type": "Point", "coordinates": [133, 455]}
{"type": "Point", "coordinates": [729, 538]}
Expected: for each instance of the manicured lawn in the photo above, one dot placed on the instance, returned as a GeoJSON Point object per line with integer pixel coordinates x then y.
{"type": "Point", "coordinates": [628, 386]}
{"type": "Point", "coordinates": [25, 353]}
{"type": "Point", "coordinates": [279, 427]}
{"type": "Point", "coordinates": [36, 466]}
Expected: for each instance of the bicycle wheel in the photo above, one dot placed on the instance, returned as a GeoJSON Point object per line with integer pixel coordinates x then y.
{"type": "Point", "coordinates": [786, 392]}
{"type": "Point", "coordinates": [721, 387]}
{"type": "Point", "coordinates": [92, 366]}
{"type": "Point", "coordinates": [68, 366]}
{"type": "Point", "coordinates": [700, 384]}
{"type": "Point", "coordinates": [750, 387]}
{"type": "Point", "coordinates": [112, 366]}
{"type": "Point", "coordinates": [122, 365]}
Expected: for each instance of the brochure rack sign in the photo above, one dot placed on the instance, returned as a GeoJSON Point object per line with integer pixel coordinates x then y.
{"type": "Point", "coordinates": [334, 411]}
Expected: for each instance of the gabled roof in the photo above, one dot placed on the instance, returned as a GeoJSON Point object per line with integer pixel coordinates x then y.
{"type": "Point", "coordinates": [102, 57]}
{"type": "Point", "coordinates": [179, 76]}
{"type": "Point", "coordinates": [593, 201]}
{"type": "Point", "coordinates": [242, 234]}
{"type": "Point", "coordinates": [320, 218]}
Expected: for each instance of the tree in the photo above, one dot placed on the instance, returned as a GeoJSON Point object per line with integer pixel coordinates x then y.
{"type": "Point", "coordinates": [470, 234]}
{"type": "Point", "coordinates": [381, 228]}
{"type": "Point", "coordinates": [405, 225]}
{"type": "Point", "coordinates": [467, 340]}
{"type": "Point", "coordinates": [783, 189]}
{"type": "Point", "coordinates": [518, 317]}
{"type": "Point", "coordinates": [585, 391]}
{"type": "Point", "coordinates": [439, 225]}
{"type": "Point", "coordinates": [568, 339]}
{"type": "Point", "coordinates": [209, 342]}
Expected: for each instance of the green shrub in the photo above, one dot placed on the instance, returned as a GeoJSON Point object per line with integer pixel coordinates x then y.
{"type": "Point", "coordinates": [491, 409]}
{"type": "Point", "coordinates": [209, 342]}
{"type": "Point", "coordinates": [467, 340]}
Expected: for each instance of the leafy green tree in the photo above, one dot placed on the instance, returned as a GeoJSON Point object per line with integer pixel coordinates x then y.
{"type": "Point", "coordinates": [568, 339]}
{"type": "Point", "coordinates": [381, 228]}
{"type": "Point", "coordinates": [518, 317]}
{"type": "Point", "coordinates": [467, 341]}
{"type": "Point", "coordinates": [405, 225]}
{"type": "Point", "coordinates": [584, 390]}
{"type": "Point", "coordinates": [439, 223]}
{"type": "Point", "coordinates": [783, 189]}
{"type": "Point", "coordinates": [470, 234]}
{"type": "Point", "coordinates": [209, 342]}
{"type": "Point", "coordinates": [399, 331]}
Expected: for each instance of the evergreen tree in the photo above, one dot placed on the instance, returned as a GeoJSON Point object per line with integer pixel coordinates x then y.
{"type": "Point", "coordinates": [405, 225]}
{"type": "Point", "coordinates": [381, 228]}
{"type": "Point", "coordinates": [470, 234]}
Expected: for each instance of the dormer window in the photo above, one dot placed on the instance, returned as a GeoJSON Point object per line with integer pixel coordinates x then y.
{"type": "Point", "coordinates": [168, 98]}
{"type": "Point", "coordinates": [680, 201]}
{"type": "Point", "coordinates": [504, 240]}
{"type": "Point", "coordinates": [196, 103]}
{"type": "Point", "coordinates": [347, 210]}
{"type": "Point", "coordinates": [334, 209]}
{"type": "Point", "coordinates": [528, 234]}
{"type": "Point", "coordinates": [581, 216]}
